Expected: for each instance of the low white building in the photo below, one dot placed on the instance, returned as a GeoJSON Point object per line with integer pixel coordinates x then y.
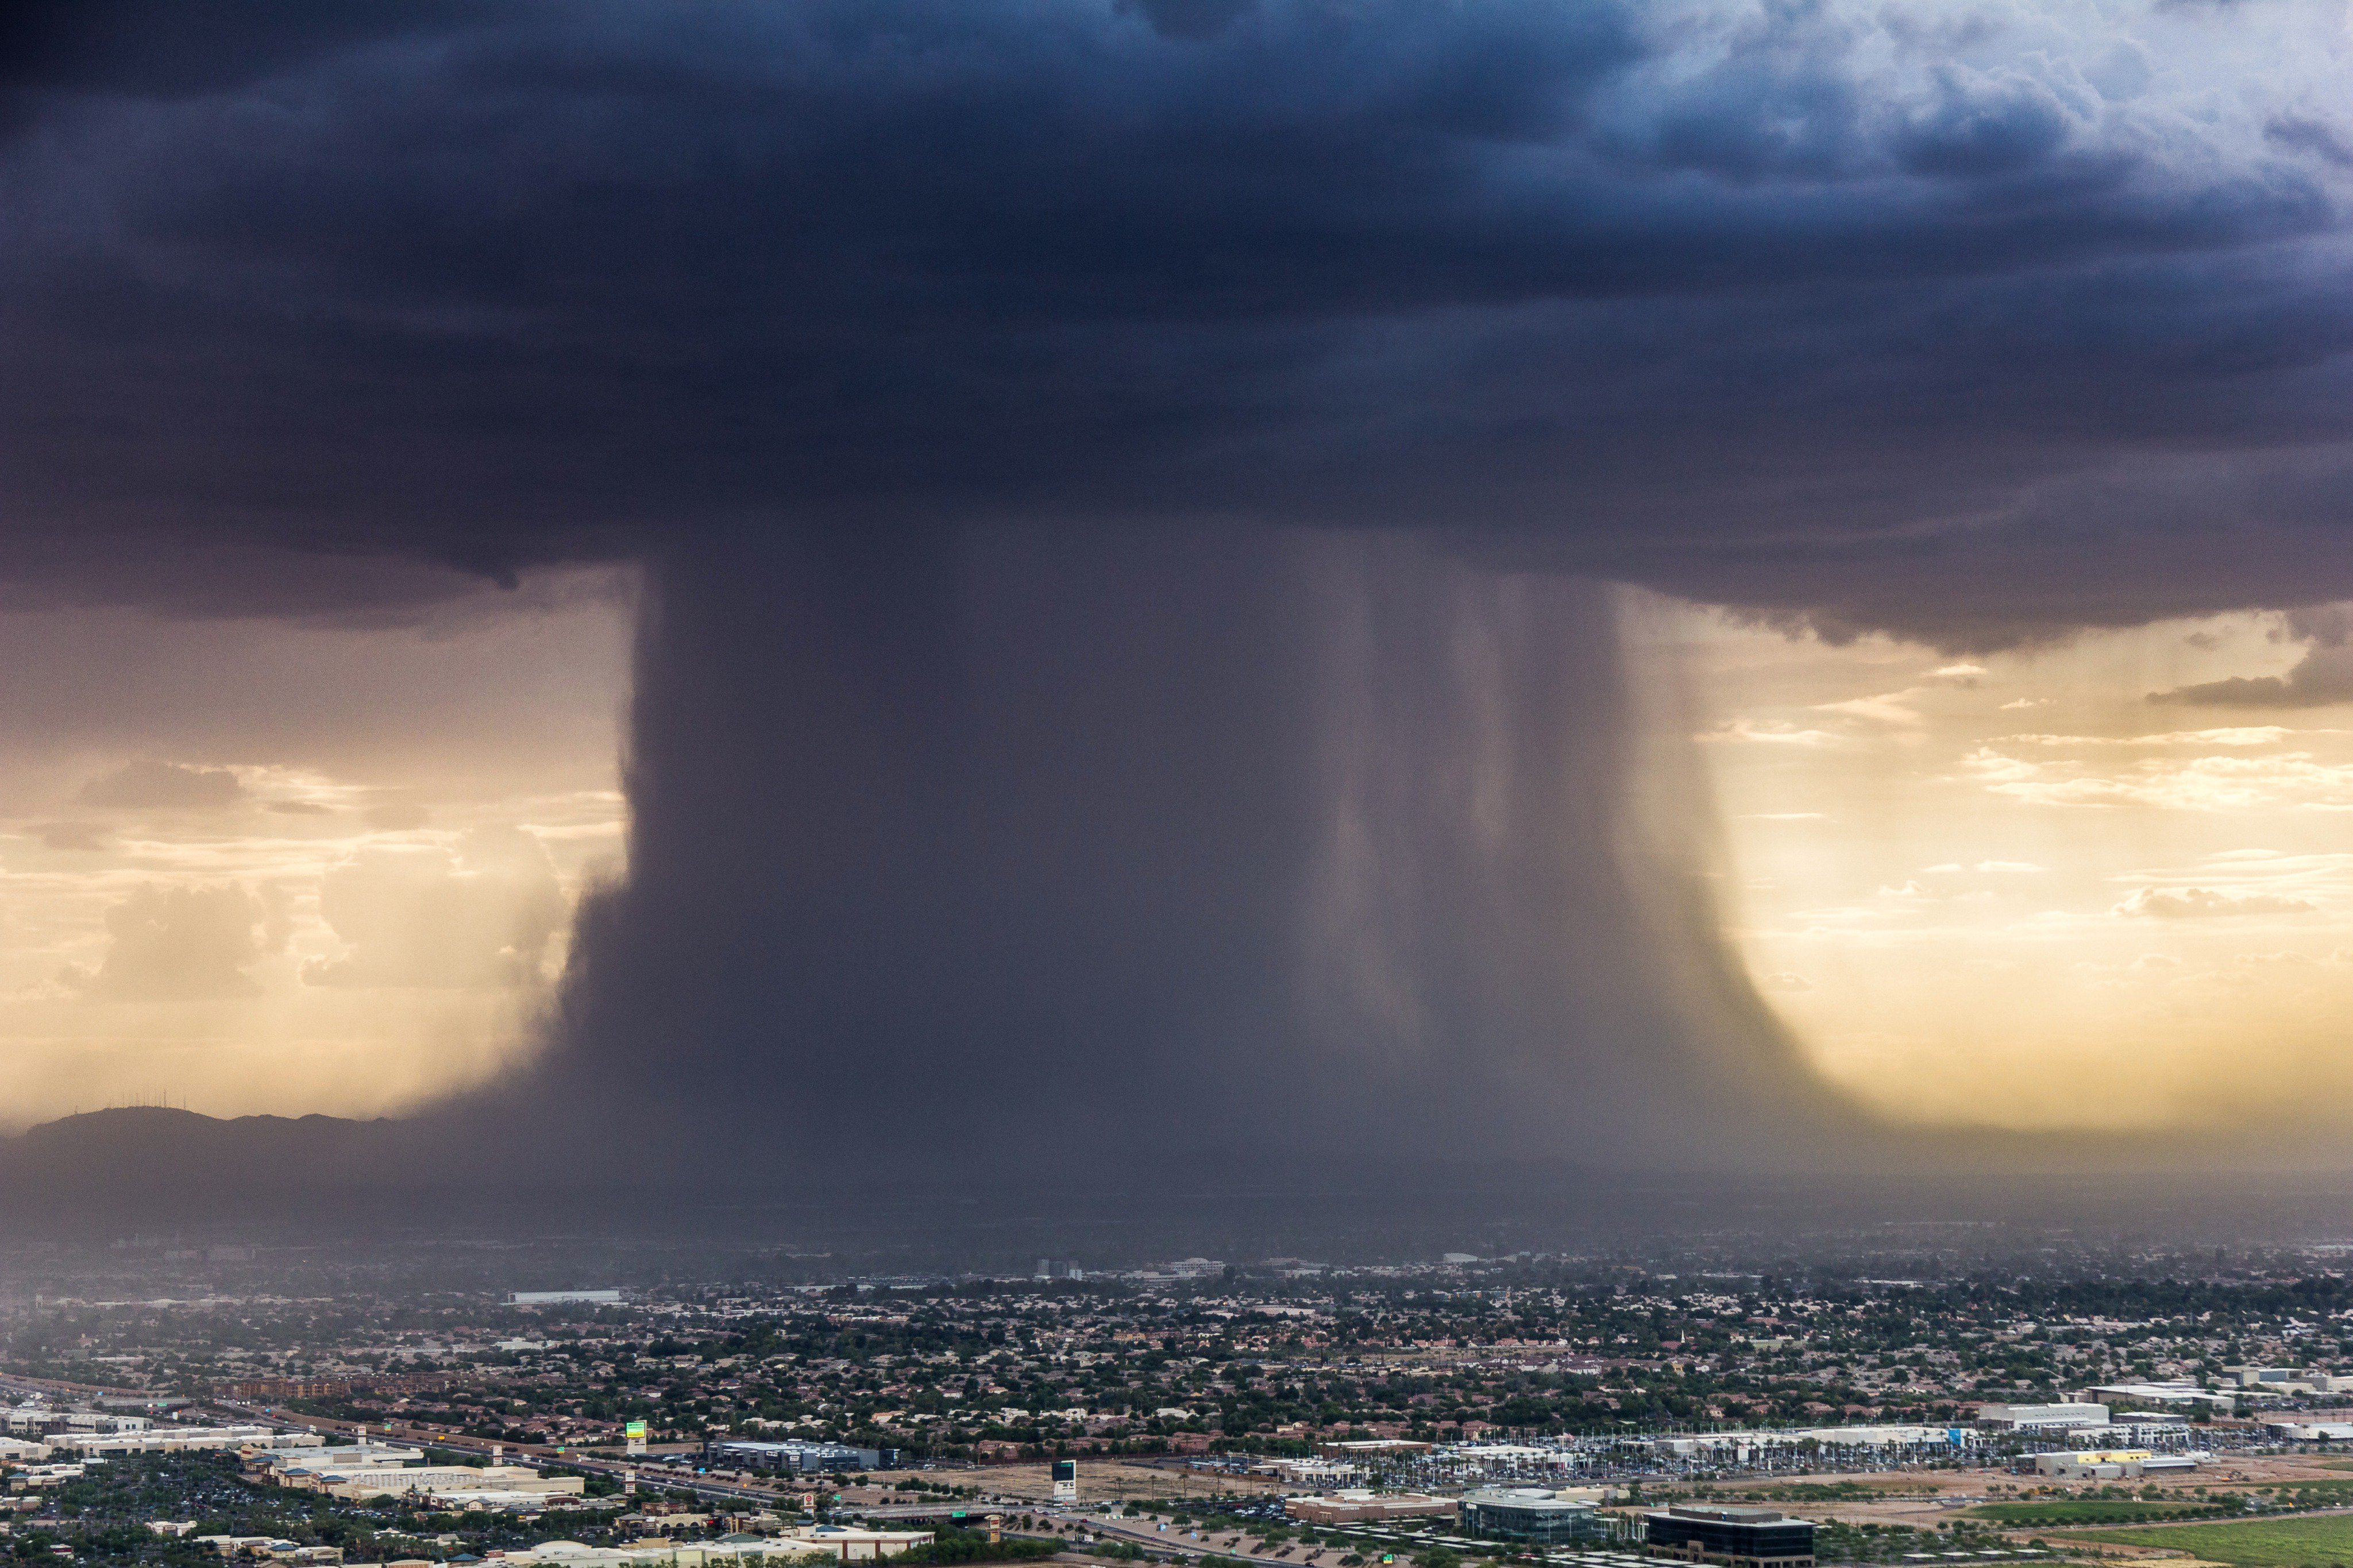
{"type": "Point", "coordinates": [1889, 1439]}
{"type": "Point", "coordinates": [2311, 1431]}
{"type": "Point", "coordinates": [36, 1476]}
{"type": "Point", "coordinates": [812, 1543]}
{"type": "Point", "coordinates": [2180, 1393]}
{"type": "Point", "coordinates": [2092, 1465]}
{"type": "Point", "coordinates": [2042, 1417]}
{"type": "Point", "coordinates": [442, 1481]}
{"type": "Point", "coordinates": [2287, 1379]}
{"type": "Point", "coordinates": [155, 1440]}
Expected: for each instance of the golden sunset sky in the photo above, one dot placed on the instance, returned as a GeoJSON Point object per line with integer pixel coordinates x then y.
{"type": "Point", "coordinates": [252, 866]}
{"type": "Point", "coordinates": [2019, 889]}
{"type": "Point", "coordinates": [255, 866]}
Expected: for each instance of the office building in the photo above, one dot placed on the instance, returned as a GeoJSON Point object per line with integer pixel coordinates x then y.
{"type": "Point", "coordinates": [1740, 1537]}
{"type": "Point", "coordinates": [1532, 1515]}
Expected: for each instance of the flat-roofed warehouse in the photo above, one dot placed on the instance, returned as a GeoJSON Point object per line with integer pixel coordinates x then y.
{"type": "Point", "coordinates": [1740, 1537]}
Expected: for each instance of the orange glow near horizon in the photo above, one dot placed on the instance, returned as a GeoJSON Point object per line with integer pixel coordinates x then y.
{"type": "Point", "coordinates": [2014, 890]}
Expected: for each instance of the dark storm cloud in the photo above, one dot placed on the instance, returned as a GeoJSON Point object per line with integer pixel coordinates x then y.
{"type": "Point", "coordinates": [1904, 300]}
{"type": "Point", "coordinates": [1115, 479]}
{"type": "Point", "coordinates": [2323, 675]}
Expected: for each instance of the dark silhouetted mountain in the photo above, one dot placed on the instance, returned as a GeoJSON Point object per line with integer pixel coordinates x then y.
{"type": "Point", "coordinates": [146, 1165]}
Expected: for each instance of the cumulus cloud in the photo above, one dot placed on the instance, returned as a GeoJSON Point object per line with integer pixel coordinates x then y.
{"type": "Point", "coordinates": [150, 784]}
{"type": "Point", "coordinates": [397, 817]}
{"type": "Point", "coordinates": [184, 944]}
{"type": "Point", "coordinates": [2203, 903]}
{"type": "Point", "coordinates": [477, 914]}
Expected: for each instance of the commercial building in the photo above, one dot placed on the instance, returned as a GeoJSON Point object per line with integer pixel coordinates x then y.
{"type": "Point", "coordinates": [1741, 1537]}
{"type": "Point", "coordinates": [2311, 1431]}
{"type": "Point", "coordinates": [363, 1471]}
{"type": "Point", "coordinates": [1359, 1506]}
{"type": "Point", "coordinates": [1363, 1448]}
{"type": "Point", "coordinates": [794, 1456]}
{"type": "Point", "coordinates": [2042, 1417]}
{"type": "Point", "coordinates": [567, 1298]}
{"type": "Point", "coordinates": [315, 1468]}
{"type": "Point", "coordinates": [848, 1544]}
{"type": "Point", "coordinates": [2152, 1420]}
{"type": "Point", "coordinates": [450, 1483]}
{"type": "Point", "coordinates": [2092, 1465]}
{"type": "Point", "coordinates": [157, 1440]}
{"type": "Point", "coordinates": [1880, 1442]}
{"type": "Point", "coordinates": [2177, 1392]}
{"type": "Point", "coordinates": [48, 1475]}
{"type": "Point", "coordinates": [1321, 1474]}
{"type": "Point", "coordinates": [841, 1544]}
{"type": "Point", "coordinates": [2286, 1379]}
{"type": "Point", "coordinates": [1532, 1515]}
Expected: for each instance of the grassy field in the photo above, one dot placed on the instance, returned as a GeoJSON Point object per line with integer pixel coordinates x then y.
{"type": "Point", "coordinates": [2082, 1510]}
{"type": "Point", "coordinates": [2255, 1543]}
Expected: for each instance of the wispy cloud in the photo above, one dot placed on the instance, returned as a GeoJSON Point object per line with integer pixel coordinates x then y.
{"type": "Point", "coordinates": [2206, 904]}
{"type": "Point", "coordinates": [1768, 732]}
{"type": "Point", "coordinates": [2251, 735]}
{"type": "Point", "coordinates": [1887, 708]}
